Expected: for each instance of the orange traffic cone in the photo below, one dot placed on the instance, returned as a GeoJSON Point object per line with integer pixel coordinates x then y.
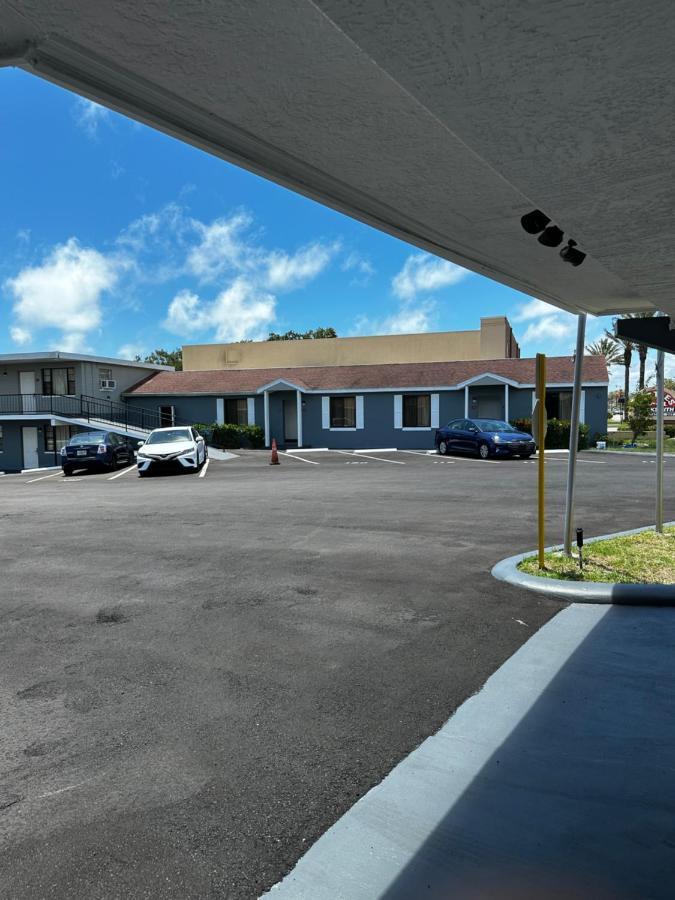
{"type": "Point", "coordinates": [275, 456]}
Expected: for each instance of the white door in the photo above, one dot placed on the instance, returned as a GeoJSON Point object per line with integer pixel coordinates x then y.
{"type": "Point", "coordinates": [290, 418]}
{"type": "Point", "coordinates": [30, 448]}
{"type": "Point", "coordinates": [27, 388]}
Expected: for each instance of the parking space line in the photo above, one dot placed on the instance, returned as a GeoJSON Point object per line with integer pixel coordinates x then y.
{"type": "Point", "coordinates": [42, 477]}
{"type": "Point", "coordinates": [312, 462]}
{"type": "Point", "coordinates": [123, 472]}
{"type": "Point", "coordinates": [204, 468]}
{"type": "Point", "coordinates": [393, 462]}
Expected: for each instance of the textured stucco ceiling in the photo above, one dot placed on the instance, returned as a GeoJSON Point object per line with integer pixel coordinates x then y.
{"type": "Point", "coordinates": [439, 122]}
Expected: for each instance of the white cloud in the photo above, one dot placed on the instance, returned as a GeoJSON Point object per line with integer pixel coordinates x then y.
{"type": "Point", "coordinates": [20, 335]}
{"type": "Point", "coordinates": [238, 312]}
{"type": "Point", "coordinates": [546, 323]}
{"type": "Point", "coordinates": [534, 309]}
{"type": "Point", "coordinates": [407, 319]}
{"type": "Point", "coordinates": [89, 115]}
{"type": "Point", "coordinates": [130, 351]}
{"type": "Point", "coordinates": [287, 271]}
{"type": "Point", "coordinates": [361, 266]}
{"type": "Point", "coordinates": [422, 273]}
{"type": "Point", "coordinates": [64, 292]}
{"type": "Point", "coordinates": [23, 235]}
{"type": "Point", "coordinates": [220, 248]}
{"type": "Point", "coordinates": [74, 342]}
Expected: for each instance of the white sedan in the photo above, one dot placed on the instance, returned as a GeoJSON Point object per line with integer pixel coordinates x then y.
{"type": "Point", "coordinates": [171, 448]}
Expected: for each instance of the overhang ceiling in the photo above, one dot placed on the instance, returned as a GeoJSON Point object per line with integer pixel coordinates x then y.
{"type": "Point", "coordinates": [439, 122]}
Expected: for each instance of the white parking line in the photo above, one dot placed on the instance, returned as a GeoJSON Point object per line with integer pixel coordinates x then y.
{"type": "Point", "coordinates": [42, 477]}
{"type": "Point", "coordinates": [393, 462]}
{"type": "Point", "coordinates": [204, 468]}
{"type": "Point", "coordinates": [123, 472]}
{"type": "Point", "coordinates": [312, 462]}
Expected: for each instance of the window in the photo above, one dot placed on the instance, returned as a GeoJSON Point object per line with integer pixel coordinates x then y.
{"type": "Point", "coordinates": [58, 381]}
{"type": "Point", "coordinates": [57, 437]}
{"type": "Point", "coordinates": [105, 379]}
{"type": "Point", "coordinates": [343, 412]}
{"type": "Point", "coordinates": [417, 410]}
{"type": "Point", "coordinates": [166, 416]}
{"type": "Point", "coordinates": [236, 411]}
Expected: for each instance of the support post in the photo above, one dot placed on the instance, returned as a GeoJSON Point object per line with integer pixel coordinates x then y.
{"type": "Point", "coordinates": [574, 434]}
{"type": "Point", "coordinates": [506, 402]}
{"type": "Point", "coordinates": [298, 401]}
{"type": "Point", "coordinates": [540, 437]}
{"type": "Point", "coordinates": [266, 397]}
{"type": "Point", "coordinates": [466, 401]}
{"type": "Point", "coordinates": [660, 368]}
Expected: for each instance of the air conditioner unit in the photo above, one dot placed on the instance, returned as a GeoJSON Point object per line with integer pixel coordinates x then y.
{"type": "Point", "coordinates": [108, 384]}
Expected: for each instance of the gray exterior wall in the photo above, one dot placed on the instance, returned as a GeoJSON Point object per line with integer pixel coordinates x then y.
{"type": "Point", "coordinates": [86, 376]}
{"type": "Point", "coordinates": [187, 409]}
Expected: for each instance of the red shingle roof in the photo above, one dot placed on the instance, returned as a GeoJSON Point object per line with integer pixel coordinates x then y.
{"type": "Point", "coordinates": [560, 370]}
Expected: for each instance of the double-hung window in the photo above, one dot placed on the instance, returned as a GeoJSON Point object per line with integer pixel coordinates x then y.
{"type": "Point", "coordinates": [236, 411]}
{"type": "Point", "coordinates": [416, 410]}
{"type": "Point", "coordinates": [343, 412]}
{"type": "Point", "coordinates": [58, 381]}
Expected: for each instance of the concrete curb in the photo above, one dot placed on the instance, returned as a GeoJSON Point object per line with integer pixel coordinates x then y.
{"type": "Point", "coordinates": [590, 592]}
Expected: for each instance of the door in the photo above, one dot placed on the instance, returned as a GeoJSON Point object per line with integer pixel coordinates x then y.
{"type": "Point", "coordinates": [290, 419]}
{"type": "Point", "coordinates": [30, 447]}
{"type": "Point", "coordinates": [489, 408]}
{"type": "Point", "coordinates": [27, 388]}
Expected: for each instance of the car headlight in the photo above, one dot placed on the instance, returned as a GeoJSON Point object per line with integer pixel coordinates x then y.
{"type": "Point", "coordinates": [63, 451]}
{"type": "Point", "coordinates": [141, 455]}
{"type": "Point", "coordinates": [189, 452]}
{"type": "Point", "coordinates": [101, 448]}
{"type": "Point", "coordinates": [496, 439]}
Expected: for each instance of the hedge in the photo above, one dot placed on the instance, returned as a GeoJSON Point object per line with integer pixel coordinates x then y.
{"type": "Point", "coordinates": [233, 437]}
{"type": "Point", "coordinates": [558, 433]}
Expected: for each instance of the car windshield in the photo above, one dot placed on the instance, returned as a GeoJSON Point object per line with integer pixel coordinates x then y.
{"type": "Point", "coordinates": [493, 425]}
{"type": "Point", "coordinates": [171, 436]}
{"type": "Point", "coordinates": [88, 437]}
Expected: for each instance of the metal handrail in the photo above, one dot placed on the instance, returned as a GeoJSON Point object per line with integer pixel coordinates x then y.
{"type": "Point", "coordinates": [84, 407]}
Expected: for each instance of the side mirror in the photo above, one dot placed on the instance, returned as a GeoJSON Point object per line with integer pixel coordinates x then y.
{"type": "Point", "coordinates": [140, 444]}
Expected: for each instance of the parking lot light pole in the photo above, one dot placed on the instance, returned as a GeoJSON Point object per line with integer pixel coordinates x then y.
{"type": "Point", "coordinates": [540, 437]}
{"type": "Point", "coordinates": [660, 398]}
{"type": "Point", "coordinates": [574, 433]}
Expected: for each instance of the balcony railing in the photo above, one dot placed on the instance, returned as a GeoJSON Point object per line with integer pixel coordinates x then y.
{"type": "Point", "coordinates": [84, 407]}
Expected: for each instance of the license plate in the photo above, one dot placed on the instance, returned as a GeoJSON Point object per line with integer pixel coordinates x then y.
{"type": "Point", "coordinates": [81, 452]}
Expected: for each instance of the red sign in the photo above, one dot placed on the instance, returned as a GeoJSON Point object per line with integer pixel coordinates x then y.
{"type": "Point", "coordinates": [668, 403]}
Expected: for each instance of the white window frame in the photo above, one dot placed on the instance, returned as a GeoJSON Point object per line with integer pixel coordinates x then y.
{"type": "Point", "coordinates": [429, 427]}
{"type": "Point", "coordinates": [173, 414]}
{"type": "Point", "coordinates": [325, 413]}
{"type": "Point", "coordinates": [250, 402]}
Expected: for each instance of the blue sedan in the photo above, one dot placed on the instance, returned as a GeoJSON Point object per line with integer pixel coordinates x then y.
{"type": "Point", "coordinates": [484, 437]}
{"type": "Point", "coordinates": [96, 450]}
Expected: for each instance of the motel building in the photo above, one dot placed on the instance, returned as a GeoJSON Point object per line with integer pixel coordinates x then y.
{"type": "Point", "coordinates": [368, 392]}
{"type": "Point", "coordinates": [47, 397]}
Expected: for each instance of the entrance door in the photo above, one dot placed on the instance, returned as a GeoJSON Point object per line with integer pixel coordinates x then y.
{"type": "Point", "coordinates": [489, 408]}
{"type": "Point", "coordinates": [30, 448]}
{"type": "Point", "coordinates": [290, 419]}
{"type": "Point", "coordinates": [27, 388]}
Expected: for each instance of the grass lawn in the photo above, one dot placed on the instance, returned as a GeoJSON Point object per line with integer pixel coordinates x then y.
{"type": "Point", "coordinates": [644, 558]}
{"type": "Point", "coordinates": [668, 446]}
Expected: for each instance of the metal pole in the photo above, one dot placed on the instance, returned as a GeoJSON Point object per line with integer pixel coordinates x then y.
{"type": "Point", "coordinates": [660, 367]}
{"type": "Point", "coordinates": [574, 433]}
{"type": "Point", "coordinates": [541, 440]}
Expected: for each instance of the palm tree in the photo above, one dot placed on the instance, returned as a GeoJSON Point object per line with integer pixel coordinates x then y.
{"type": "Point", "coordinates": [642, 349]}
{"type": "Point", "coordinates": [625, 349]}
{"type": "Point", "coordinates": [607, 348]}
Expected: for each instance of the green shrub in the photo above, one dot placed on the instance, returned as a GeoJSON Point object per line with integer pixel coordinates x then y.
{"type": "Point", "coordinates": [640, 415]}
{"type": "Point", "coordinates": [558, 433]}
{"type": "Point", "coordinates": [669, 430]}
{"type": "Point", "coordinates": [232, 437]}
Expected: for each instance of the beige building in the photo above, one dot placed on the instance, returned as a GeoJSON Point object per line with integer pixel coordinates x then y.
{"type": "Point", "coordinates": [493, 340]}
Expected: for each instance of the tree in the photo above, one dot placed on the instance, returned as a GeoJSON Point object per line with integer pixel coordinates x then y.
{"type": "Point", "coordinates": [608, 348]}
{"type": "Point", "coordinates": [669, 384]}
{"type": "Point", "coordinates": [165, 358]}
{"type": "Point", "coordinates": [642, 349]}
{"type": "Point", "coordinates": [640, 414]}
{"type": "Point", "coordinates": [314, 334]}
{"type": "Point", "coordinates": [626, 348]}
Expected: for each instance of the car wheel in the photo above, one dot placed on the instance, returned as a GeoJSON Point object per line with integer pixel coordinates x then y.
{"type": "Point", "coordinates": [443, 448]}
{"type": "Point", "coordinates": [483, 450]}
{"type": "Point", "coordinates": [67, 472]}
{"type": "Point", "coordinates": [525, 455]}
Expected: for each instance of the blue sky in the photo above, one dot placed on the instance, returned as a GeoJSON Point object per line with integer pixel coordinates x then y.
{"type": "Point", "coordinates": [116, 239]}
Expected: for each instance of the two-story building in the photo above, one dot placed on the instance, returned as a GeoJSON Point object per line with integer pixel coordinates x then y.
{"type": "Point", "coordinates": [46, 397]}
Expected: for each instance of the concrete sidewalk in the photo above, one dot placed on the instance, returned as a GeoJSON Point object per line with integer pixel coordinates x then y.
{"type": "Point", "coordinates": [555, 780]}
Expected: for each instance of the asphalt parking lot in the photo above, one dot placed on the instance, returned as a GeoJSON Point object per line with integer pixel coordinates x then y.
{"type": "Point", "coordinates": [198, 675]}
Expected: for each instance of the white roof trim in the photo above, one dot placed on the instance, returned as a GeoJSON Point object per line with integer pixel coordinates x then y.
{"type": "Point", "coordinates": [280, 382]}
{"type": "Point", "coordinates": [499, 379]}
{"type": "Point", "coordinates": [56, 355]}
